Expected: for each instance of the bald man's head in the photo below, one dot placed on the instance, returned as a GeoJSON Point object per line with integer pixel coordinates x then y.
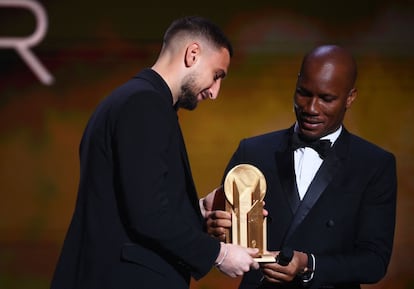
{"type": "Point", "coordinates": [335, 56]}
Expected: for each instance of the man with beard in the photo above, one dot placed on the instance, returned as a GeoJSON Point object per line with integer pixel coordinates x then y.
{"type": "Point", "coordinates": [333, 204]}
{"type": "Point", "coordinates": [138, 221]}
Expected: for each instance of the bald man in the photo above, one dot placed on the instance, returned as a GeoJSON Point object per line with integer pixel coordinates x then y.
{"type": "Point", "coordinates": [331, 195]}
{"type": "Point", "coordinates": [137, 221]}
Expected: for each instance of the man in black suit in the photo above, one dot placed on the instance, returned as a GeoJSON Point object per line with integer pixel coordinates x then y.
{"type": "Point", "coordinates": [138, 221]}
{"type": "Point", "coordinates": [334, 207]}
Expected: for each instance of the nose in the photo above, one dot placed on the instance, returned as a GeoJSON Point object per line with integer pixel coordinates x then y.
{"type": "Point", "coordinates": [311, 106]}
{"type": "Point", "coordinates": [214, 89]}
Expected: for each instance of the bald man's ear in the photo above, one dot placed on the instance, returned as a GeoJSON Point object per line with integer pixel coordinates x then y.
{"type": "Point", "coordinates": [351, 97]}
{"type": "Point", "coordinates": [191, 54]}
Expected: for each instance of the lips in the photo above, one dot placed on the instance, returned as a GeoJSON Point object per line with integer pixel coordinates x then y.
{"type": "Point", "coordinates": [310, 123]}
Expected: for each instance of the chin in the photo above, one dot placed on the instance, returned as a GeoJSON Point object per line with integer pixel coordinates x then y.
{"type": "Point", "coordinates": [310, 134]}
{"type": "Point", "coordinates": [188, 106]}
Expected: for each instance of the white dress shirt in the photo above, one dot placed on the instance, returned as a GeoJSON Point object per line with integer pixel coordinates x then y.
{"type": "Point", "coordinates": [307, 162]}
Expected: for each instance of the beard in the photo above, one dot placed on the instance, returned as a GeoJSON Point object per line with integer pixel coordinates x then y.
{"type": "Point", "coordinates": [188, 98]}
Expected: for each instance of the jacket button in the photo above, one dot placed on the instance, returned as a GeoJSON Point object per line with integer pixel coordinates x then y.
{"type": "Point", "coordinates": [330, 223]}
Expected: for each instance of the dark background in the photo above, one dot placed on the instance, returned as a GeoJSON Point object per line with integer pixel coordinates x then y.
{"type": "Point", "coordinates": [93, 46]}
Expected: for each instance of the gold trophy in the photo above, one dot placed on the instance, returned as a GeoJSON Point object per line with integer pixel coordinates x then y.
{"type": "Point", "coordinates": [244, 190]}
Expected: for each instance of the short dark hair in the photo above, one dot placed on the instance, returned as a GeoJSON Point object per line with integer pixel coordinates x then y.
{"type": "Point", "coordinates": [201, 27]}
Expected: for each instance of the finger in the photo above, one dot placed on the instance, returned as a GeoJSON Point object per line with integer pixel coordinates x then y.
{"type": "Point", "coordinates": [269, 266]}
{"type": "Point", "coordinates": [219, 233]}
{"type": "Point", "coordinates": [271, 275]}
{"type": "Point", "coordinates": [222, 237]}
{"type": "Point", "coordinates": [218, 214]}
{"type": "Point", "coordinates": [272, 280]}
{"type": "Point", "coordinates": [222, 223]}
{"type": "Point", "coordinates": [219, 223]}
{"type": "Point", "coordinates": [214, 231]}
{"type": "Point", "coordinates": [277, 275]}
{"type": "Point", "coordinates": [252, 251]}
{"type": "Point", "coordinates": [255, 265]}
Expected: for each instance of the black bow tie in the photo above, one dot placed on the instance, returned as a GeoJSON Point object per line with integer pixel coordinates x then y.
{"type": "Point", "coordinates": [322, 147]}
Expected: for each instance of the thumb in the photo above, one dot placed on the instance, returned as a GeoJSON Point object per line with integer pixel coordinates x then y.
{"type": "Point", "coordinates": [252, 251]}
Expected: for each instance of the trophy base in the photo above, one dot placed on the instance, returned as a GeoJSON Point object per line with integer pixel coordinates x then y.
{"type": "Point", "coordinates": [265, 259]}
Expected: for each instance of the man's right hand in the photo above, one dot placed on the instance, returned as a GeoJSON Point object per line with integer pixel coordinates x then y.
{"type": "Point", "coordinates": [235, 260]}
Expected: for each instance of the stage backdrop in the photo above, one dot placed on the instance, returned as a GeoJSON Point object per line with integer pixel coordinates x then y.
{"type": "Point", "coordinates": [58, 59]}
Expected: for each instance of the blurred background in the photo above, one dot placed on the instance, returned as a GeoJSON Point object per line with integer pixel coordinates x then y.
{"type": "Point", "coordinates": [58, 59]}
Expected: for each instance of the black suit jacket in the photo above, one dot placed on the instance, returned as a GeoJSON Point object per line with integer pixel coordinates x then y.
{"type": "Point", "coordinates": [347, 217]}
{"type": "Point", "coordinates": [137, 221]}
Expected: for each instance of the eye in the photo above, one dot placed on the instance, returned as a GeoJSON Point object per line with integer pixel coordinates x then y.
{"type": "Point", "coordinates": [219, 75]}
{"type": "Point", "coordinates": [327, 97]}
{"type": "Point", "coordinates": [303, 92]}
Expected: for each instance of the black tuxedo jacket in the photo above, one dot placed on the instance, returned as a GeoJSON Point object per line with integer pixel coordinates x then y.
{"type": "Point", "coordinates": [347, 217]}
{"type": "Point", "coordinates": [137, 221]}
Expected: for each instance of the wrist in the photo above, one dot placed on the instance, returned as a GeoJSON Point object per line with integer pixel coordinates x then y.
{"type": "Point", "coordinates": [222, 255]}
{"type": "Point", "coordinates": [202, 208]}
{"type": "Point", "coordinates": [307, 273]}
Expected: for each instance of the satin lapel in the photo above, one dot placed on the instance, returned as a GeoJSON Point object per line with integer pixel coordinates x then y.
{"type": "Point", "coordinates": [322, 178]}
{"type": "Point", "coordinates": [286, 172]}
{"type": "Point", "coordinates": [284, 161]}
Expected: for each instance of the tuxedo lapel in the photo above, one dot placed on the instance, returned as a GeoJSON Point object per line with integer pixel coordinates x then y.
{"type": "Point", "coordinates": [323, 177]}
{"type": "Point", "coordinates": [286, 172]}
{"type": "Point", "coordinates": [284, 161]}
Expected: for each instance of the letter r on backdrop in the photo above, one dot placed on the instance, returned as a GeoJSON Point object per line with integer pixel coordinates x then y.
{"type": "Point", "coordinates": [23, 44]}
